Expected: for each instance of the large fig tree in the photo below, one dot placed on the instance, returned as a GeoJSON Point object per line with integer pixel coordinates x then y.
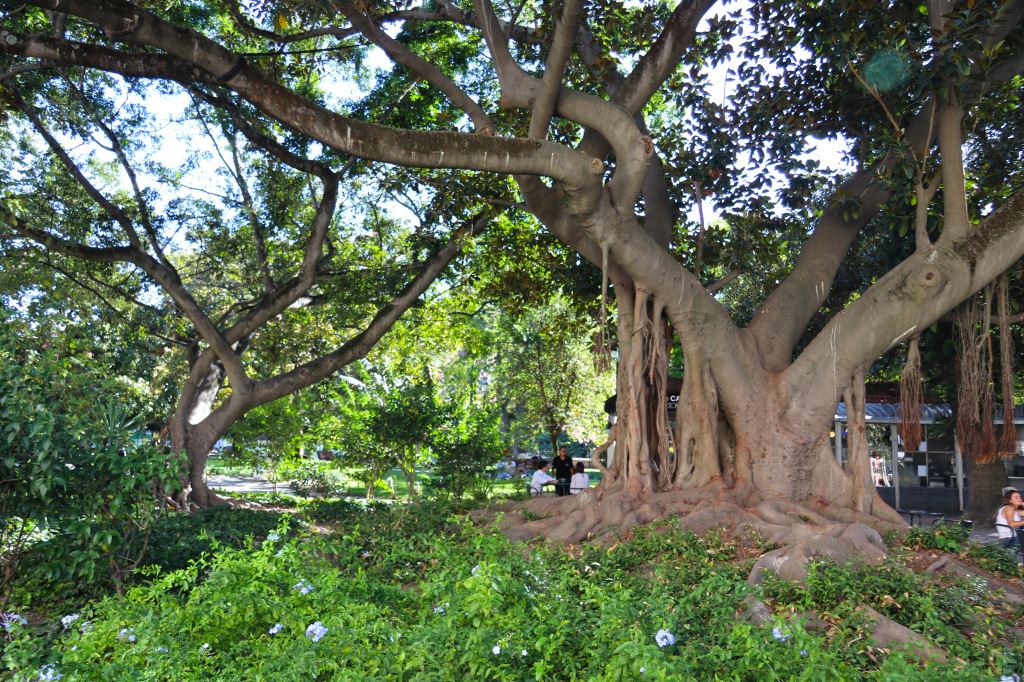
{"type": "Point", "coordinates": [604, 116]}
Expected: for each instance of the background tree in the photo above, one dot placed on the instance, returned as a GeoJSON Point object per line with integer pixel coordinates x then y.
{"type": "Point", "coordinates": [548, 375]}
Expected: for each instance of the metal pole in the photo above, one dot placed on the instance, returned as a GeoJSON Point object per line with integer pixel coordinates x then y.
{"type": "Point", "coordinates": [839, 443]}
{"type": "Point", "coordinates": [895, 441]}
{"type": "Point", "coordinates": [959, 458]}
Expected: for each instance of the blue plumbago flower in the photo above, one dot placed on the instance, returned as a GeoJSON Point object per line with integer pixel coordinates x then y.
{"type": "Point", "coordinates": [48, 673]}
{"type": "Point", "coordinates": [643, 670]}
{"type": "Point", "coordinates": [303, 586]}
{"type": "Point", "coordinates": [161, 650]}
{"type": "Point", "coordinates": [275, 628]}
{"type": "Point", "coordinates": [496, 649]}
{"type": "Point", "coordinates": [1010, 678]}
{"type": "Point", "coordinates": [126, 634]}
{"type": "Point", "coordinates": [476, 569]}
{"type": "Point", "coordinates": [9, 620]}
{"type": "Point", "coordinates": [273, 537]}
{"type": "Point", "coordinates": [803, 652]}
{"type": "Point", "coordinates": [85, 627]}
{"type": "Point", "coordinates": [439, 609]}
{"type": "Point", "coordinates": [316, 631]}
{"type": "Point", "coordinates": [664, 638]}
{"type": "Point", "coordinates": [67, 620]}
{"type": "Point", "coordinates": [779, 635]}
{"type": "Point", "coordinates": [280, 553]}
{"type": "Point", "coordinates": [366, 554]}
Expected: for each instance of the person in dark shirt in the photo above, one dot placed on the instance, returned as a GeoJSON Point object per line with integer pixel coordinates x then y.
{"type": "Point", "coordinates": [562, 466]}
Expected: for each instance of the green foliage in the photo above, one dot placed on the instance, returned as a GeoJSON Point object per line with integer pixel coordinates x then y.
{"type": "Point", "coordinates": [179, 539]}
{"type": "Point", "coordinates": [466, 445]}
{"type": "Point", "coordinates": [411, 592]}
{"type": "Point", "coordinates": [308, 478]}
{"type": "Point", "coordinates": [948, 537]}
{"type": "Point", "coordinates": [546, 373]}
{"type": "Point", "coordinates": [953, 538]}
{"type": "Point", "coordinates": [994, 558]}
{"type": "Point", "coordinates": [74, 466]}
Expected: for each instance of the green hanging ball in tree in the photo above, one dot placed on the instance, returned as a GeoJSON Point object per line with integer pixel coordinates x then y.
{"type": "Point", "coordinates": [886, 70]}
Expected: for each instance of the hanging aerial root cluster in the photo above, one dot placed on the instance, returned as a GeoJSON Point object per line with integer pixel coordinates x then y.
{"type": "Point", "coordinates": [974, 430]}
{"type": "Point", "coordinates": [911, 398]}
{"type": "Point", "coordinates": [1008, 441]}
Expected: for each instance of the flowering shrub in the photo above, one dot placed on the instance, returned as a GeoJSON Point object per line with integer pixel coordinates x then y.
{"type": "Point", "coordinates": [401, 596]}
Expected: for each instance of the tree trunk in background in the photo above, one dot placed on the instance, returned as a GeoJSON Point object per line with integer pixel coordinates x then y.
{"type": "Point", "coordinates": [985, 483]}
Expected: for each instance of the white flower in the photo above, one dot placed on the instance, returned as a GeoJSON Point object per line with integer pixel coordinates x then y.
{"type": "Point", "coordinates": [273, 537]}
{"type": "Point", "coordinates": [9, 620]}
{"type": "Point", "coordinates": [280, 553]}
{"type": "Point", "coordinates": [48, 673]}
{"type": "Point", "coordinates": [275, 628]}
{"type": "Point", "coordinates": [779, 635]}
{"type": "Point", "coordinates": [365, 554]}
{"type": "Point", "coordinates": [67, 620]}
{"type": "Point", "coordinates": [126, 634]}
{"type": "Point", "coordinates": [643, 670]}
{"type": "Point", "coordinates": [664, 638]}
{"type": "Point", "coordinates": [303, 586]}
{"type": "Point", "coordinates": [85, 627]}
{"type": "Point", "coordinates": [476, 569]}
{"type": "Point", "coordinates": [496, 650]}
{"type": "Point", "coordinates": [1010, 678]}
{"type": "Point", "coordinates": [523, 652]}
{"type": "Point", "coordinates": [316, 631]}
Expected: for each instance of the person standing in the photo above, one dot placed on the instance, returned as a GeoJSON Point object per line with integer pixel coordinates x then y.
{"type": "Point", "coordinates": [563, 469]}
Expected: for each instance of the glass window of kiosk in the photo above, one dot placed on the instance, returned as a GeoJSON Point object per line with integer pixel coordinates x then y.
{"type": "Point", "coordinates": [933, 464]}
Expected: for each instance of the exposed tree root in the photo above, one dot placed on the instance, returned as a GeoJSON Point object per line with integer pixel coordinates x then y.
{"type": "Point", "coordinates": [597, 512]}
{"type": "Point", "coordinates": [806, 531]}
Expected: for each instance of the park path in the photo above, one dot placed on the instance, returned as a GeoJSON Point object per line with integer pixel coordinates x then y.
{"type": "Point", "coordinates": [247, 484]}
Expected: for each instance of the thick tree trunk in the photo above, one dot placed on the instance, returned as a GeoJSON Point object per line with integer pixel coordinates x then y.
{"type": "Point", "coordinates": [410, 479]}
{"type": "Point", "coordinates": [985, 483]}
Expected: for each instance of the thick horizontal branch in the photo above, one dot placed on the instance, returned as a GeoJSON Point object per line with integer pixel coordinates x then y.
{"type": "Point", "coordinates": [420, 149]}
{"type": "Point", "coordinates": [358, 346]}
{"type": "Point", "coordinates": [909, 298]}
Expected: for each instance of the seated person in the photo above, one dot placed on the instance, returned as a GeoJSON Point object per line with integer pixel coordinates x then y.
{"type": "Point", "coordinates": [1008, 519]}
{"type": "Point", "coordinates": [540, 479]}
{"type": "Point", "coordinates": [580, 481]}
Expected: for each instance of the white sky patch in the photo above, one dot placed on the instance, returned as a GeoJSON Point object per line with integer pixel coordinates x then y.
{"type": "Point", "coordinates": [831, 154]}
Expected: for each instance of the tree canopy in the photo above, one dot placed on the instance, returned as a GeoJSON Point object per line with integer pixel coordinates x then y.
{"type": "Point", "coordinates": [600, 123]}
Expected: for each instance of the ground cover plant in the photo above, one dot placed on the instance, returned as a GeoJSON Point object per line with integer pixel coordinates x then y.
{"type": "Point", "coordinates": [420, 592]}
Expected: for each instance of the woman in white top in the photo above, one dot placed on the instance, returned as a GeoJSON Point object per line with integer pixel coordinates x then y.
{"type": "Point", "coordinates": [580, 481]}
{"type": "Point", "coordinates": [1008, 519]}
{"type": "Point", "coordinates": [540, 479]}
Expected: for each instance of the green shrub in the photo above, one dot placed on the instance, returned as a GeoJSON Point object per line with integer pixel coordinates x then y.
{"type": "Point", "coordinates": [309, 479]}
{"type": "Point", "coordinates": [995, 558]}
{"type": "Point", "coordinates": [75, 468]}
{"type": "Point", "coordinates": [946, 537]}
{"type": "Point", "coordinates": [179, 539]}
{"type": "Point", "coordinates": [412, 592]}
